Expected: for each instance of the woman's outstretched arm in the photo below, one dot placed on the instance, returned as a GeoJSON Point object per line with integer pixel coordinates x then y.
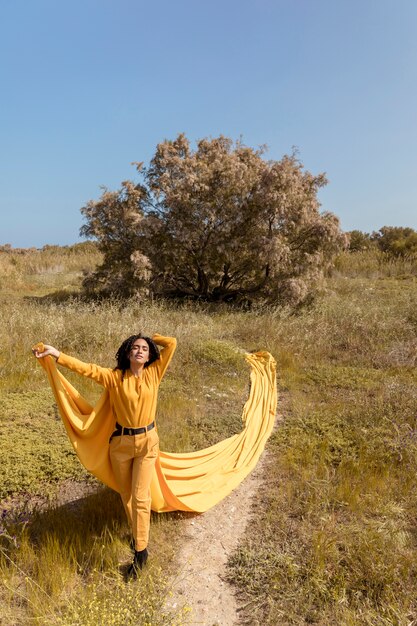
{"type": "Point", "coordinates": [105, 376]}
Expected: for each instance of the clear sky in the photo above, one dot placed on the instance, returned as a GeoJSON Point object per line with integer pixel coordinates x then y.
{"type": "Point", "coordinates": [89, 86]}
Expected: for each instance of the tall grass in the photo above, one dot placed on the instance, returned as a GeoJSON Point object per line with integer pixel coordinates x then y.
{"type": "Point", "coordinates": [375, 264]}
{"type": "Point", "coordinates": [333, 537]}
{"type": "Point", "coordinates": [333, 541]}
{"type": "Point", "coordinates": [38, 272]}
{"type": "Point", "coordinates": [66, 565]}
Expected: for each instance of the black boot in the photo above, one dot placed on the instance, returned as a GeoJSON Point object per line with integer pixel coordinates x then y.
{"type": "Point", "coordinates": [139, 561]}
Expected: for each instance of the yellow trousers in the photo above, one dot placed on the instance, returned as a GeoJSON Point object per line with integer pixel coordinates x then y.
{"type": "Point", "coordinates": [133, 458]}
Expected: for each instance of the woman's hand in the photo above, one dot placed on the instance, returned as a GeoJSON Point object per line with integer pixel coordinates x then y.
{"type": "Point", "coordinates": [42, 350]}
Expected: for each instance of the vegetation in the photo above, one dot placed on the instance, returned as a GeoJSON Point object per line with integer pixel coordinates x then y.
{"type": "Point", "coordinates": [33, 272]}
{"type": "Point", "coordinates": [216, 224]}
{"type": "Point", "coordinates": [332, 540]}
{"type": "Point", "coordinates": [64, 562]}
{"type": "Point", "coordinates": [359, 241]}
{"type": "Point", "coordinates": [395, 241]}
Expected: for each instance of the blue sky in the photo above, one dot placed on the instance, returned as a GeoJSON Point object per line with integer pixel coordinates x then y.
{"type": "Point", "coordinates": [90, 86]}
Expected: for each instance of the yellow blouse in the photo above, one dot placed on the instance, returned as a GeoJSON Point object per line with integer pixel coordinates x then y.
{"type": "Point", "coordinates": [133, 400]}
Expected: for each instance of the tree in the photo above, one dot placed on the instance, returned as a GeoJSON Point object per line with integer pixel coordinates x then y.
{"type": "Point", "coordinates": [359, 241]}
{"type": "Point", "coordinates": [396, 240]}
{"type": "Point", "coordinates": [221, 223]}
{"type": "Point", "coordinates": [115, 221]}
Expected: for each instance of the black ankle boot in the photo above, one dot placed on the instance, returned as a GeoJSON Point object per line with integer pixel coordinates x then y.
{"type": "Point", "coordinates": [139, 561]}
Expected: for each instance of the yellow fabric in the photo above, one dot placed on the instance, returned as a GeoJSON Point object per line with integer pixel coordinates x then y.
{"type": "Point", "coordinates": [193, 481]}
{"type": "Point", "coordinates": [133, 400]}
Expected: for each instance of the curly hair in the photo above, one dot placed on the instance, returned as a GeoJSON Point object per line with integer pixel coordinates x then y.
{"type": "Point", "coordinates": [122, 355]}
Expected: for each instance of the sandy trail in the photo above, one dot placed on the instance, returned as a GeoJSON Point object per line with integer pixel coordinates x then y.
{"type": "Point", "coordinates": [208, 541]}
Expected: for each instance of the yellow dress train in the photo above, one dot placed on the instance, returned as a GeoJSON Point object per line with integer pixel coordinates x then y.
{"type": "Point", "coordinates": [192, 481]}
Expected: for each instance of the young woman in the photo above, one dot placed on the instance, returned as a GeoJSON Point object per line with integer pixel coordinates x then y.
{"type": "Point", "coordinates": [134, 445]}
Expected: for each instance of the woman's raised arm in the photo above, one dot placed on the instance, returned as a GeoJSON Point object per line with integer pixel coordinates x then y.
{"type": "Point", "coordinates": [169, 344]}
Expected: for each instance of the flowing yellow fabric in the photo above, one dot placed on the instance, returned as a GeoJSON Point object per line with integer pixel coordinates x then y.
{"type": "Point", "coordinates": [193, 481]}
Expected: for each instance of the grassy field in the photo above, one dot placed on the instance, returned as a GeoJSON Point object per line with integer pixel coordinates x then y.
{"type": "Point", "coordinates": [333, 540]}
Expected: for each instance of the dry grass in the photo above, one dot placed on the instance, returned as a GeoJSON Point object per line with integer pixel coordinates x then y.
{"type": "Point", "coordinates": [375, 264]}
{"type": "Point", "coordinates": [334, 538]}
{"type": "Point", "coordinates": [38, 272]}
{"type": "Point", "coordinates": [333, 541]}
{"type": "Point", "coordinates": [68, 565]}
{"type": "Point", "coordinates": [65, 565]}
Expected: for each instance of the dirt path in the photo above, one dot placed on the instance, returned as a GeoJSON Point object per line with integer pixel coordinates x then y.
{"type": "Point", "coordinates": [208, 541]}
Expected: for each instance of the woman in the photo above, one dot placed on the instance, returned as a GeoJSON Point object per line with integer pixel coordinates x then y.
{"type": "Point", "coordinates": [134, 445]}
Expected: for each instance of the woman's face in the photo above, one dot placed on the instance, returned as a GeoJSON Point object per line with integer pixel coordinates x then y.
{"type": "Point", "coordinates": [139, 353]}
